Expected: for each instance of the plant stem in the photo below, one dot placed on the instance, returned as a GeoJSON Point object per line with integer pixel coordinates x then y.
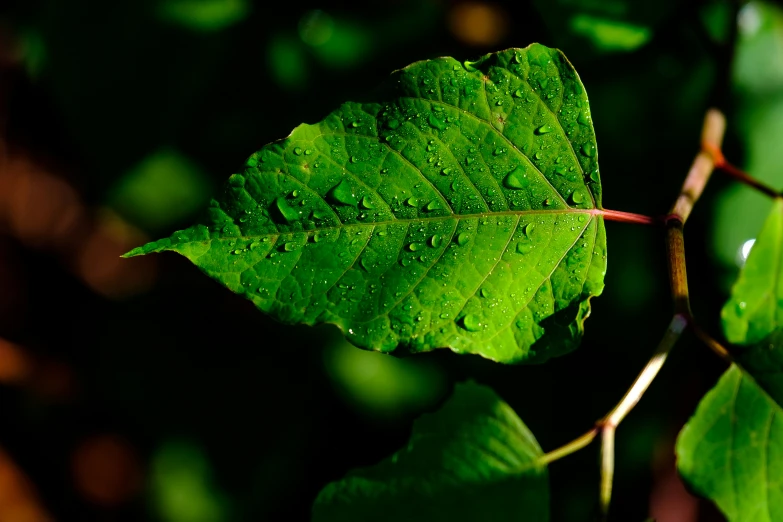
{"type": "Point", "coordinates": [609, 423]}
{"type": "Point", "coordinates": [698, 175]}
{"type": "Point", "coordinates": [678, 276]}
{"type": "Point", "coordinates": [746, 179]}
{"type": "Point", "coordinates": [710, 341]}
{"type": "Point", "coordinates": [631, 397]}
{"type": "Point", "coordinates": [573, 446]}
{"type": "Point", "coordinates": [607, 468]}
{"type": "Point", "coordinates": [711, 137]}
{"type": "Point", "coordinates": [646, 376]}
{"type": "Point", "coordinates": [626, 217]}
{"type": "Point", "coordinates": [736, 173]}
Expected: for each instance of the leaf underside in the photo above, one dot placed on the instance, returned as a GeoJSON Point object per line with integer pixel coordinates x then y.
{"type": "Point", "coordinates": [458, 210]}
{"type": "Point", "coordinates": [731, 451]}
{"type": "Point", "coordinates": [473, 459]}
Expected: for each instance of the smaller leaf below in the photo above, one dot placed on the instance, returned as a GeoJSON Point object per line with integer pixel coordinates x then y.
{"type": "Point", "coordinates": [731, 451]}
{"type": "Point", "coordinates": [473, 459]}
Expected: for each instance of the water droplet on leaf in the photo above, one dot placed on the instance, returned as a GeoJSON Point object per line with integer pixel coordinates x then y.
{"type": "Point", "coordinates": [512, 181]}
{"type": "Point", "coordinates": [343, 193]}
{"type": "Point", "coordinates": [588, 149]}
{"type": "Point", "coordinates": [290, 214]}
{"type": "Point", "coordinates": [471, 323]}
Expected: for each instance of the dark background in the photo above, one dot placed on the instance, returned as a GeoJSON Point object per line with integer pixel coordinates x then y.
{"type": "Point", "coordinates": [141, 390]}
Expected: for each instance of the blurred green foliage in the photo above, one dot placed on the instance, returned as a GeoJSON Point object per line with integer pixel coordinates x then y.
{"type": "Point", "coordinates": [182, 486]}
{"type": "Point", "coordinates": [273, 413]}
{"type": "Point", "coordinates": [161, 190]}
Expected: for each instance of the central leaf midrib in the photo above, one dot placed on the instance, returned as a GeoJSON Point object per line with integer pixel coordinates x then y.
{"type": "Point", "coordinates": [482, 215]}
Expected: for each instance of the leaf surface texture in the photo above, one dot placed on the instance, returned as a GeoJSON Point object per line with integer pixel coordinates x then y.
{"type": "Point", "coordinates": [473, 459]}
{"type": "Point", "coordinates": [456, 210]}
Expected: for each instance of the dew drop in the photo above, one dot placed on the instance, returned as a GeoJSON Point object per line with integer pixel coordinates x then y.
{"type": "Point", "coordinates": [463, 238]}
{"type": "Point", "coordinates": [290, 214]}
{"type": "Point", "coordinates": [436, 122]}
{"type": "Point", "coordinates": [367, 202]}
{"type": "Point", "coordinates": [433, 205]}
{"type": "Point", "coordinates": [436, 240]}
{"type": "Point", "coordinates": [413, 247]}
{"type": "Point", "coordinates": [513, 182]}
{"type": "Point", "coordinates": [343, 193]}
{"type": "Point", "coordinates": [471, 323]}
{"type": "Point", "coordinates": [588, 149]}
{"type": "Point", "coordinates": [446, 171]}
{"type": "Point", "coordinates": [544, 129]}
{"type": "Point", "coordinates": [291, 246]}
{"type": "Point", "coordinates": [298, 151]}
{"type": "Point", "coordinates": [411, 202]}
{"type": "Point", "coordinates": [577, 197]}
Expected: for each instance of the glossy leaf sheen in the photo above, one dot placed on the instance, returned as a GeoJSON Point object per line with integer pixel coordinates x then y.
{"type": "Point", "coordinates": [473, 459]}
{"type": "Point", "coordinates": [456, 211]}
{"type": "Point", "coordinates": [753, 316]}
{"type": "Point", "coordinates": [731, 451]}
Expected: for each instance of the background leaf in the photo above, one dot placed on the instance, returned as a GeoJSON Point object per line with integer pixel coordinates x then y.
{"type": "Point", "coordinates": [473, 459]}
{"type": "Point", "coordinates": [753, 316]}
{"type": "Point", "coordinates": [731, 451]}
{"type": "Point", "coordinates": [456, 212]}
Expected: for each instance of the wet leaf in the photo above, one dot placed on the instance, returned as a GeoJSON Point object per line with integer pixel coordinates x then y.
{"type": "Point", "coordinates": [473, 459]}
{"type": "Point", "coordinates": [395, 219]}
{"type": "Point", "coordinates": [731, 451]}
{"type": "Point", "coordinates": [753, 316]}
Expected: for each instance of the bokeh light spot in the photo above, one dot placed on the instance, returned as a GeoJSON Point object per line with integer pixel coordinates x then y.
{"type": "Point", "coordinates": [106, 470]}
{"type": "Point", "coordinates": [477, 23]}
{"type": "Point", "coordinates": [316, 28]}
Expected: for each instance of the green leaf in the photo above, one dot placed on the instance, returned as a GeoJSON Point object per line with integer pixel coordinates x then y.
{"type": "Point", "coordinates": [474, 459]}
{"type": "Point", "coordinates": [731, 451]}
{"type": "Point", "coordinates": [755, 308]}
{"type": "Point", "coordinates": [458, 210]}
{"type": "Point", "coordinates": [753, 316]}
